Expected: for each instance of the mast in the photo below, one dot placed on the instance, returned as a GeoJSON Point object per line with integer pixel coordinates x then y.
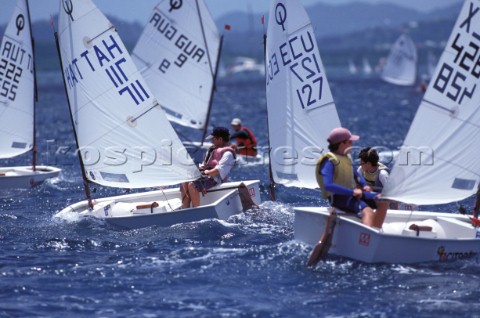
{"type": "Point", "coordinates": [84, 175]}
{"type": "Point", "coordinates": [271, 186]}
{"type": "Point", "coordinates": [213, 72]}
{"type": "Point", "coordinates": [476, 206]}
{"type": "Point", "coordinates": [214, 89]}
{"type": "Point", "coordinates": [35, 93]}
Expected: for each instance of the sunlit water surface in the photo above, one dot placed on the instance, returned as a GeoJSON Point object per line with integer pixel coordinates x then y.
{"type": "Point", "coordinates": [248, 266]}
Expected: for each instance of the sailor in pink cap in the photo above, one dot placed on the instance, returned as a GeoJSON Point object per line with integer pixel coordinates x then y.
{"type": "Point", "coordinates": [339, 182]}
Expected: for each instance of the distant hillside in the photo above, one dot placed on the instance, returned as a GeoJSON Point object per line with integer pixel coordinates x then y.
{"type": "Point", "coordinates": [340, 28]}
{"type": "Point", "coordinates": [328, 20]}
{"type": "Point", "coordinates": [358, 27]}
{"type": "Point", "coordinates": [43, 32]}
{"type": "Point", "coordinates": [331, 20]}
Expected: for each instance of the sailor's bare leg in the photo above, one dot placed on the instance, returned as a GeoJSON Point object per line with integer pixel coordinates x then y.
{"type": "Point", "coordinates": [368, 217]}
{"type": "Point", "coordinates": [185, 195]}
{"type": "Point", "coordinates": [194, 195]}
{"type": "Point", "coordinates": [380, 213]}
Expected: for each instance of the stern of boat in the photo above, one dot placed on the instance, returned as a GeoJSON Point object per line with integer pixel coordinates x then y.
{"type": "Point", "coordinates": [25, 177]}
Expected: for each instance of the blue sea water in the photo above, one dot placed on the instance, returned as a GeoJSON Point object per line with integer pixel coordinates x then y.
{"type": "Point", "coordinates": [248, 266]}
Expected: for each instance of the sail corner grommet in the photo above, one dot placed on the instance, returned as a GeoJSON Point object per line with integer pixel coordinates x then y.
{"type": "Point", "coordinates": [87, 42]}
{"type": "Point", "coordinates": [132, 121]}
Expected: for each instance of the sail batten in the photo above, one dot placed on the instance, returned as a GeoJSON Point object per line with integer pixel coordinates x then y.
{"type": "Point", "coordinates": [17, 94]}
{"type": "Point", "coordinates": [177, 54]}
{"type": "Point", "coordinates": [123, 135]}
{"type": "Point", "coordinates": [301, 110]}
{"type": "Point", "coordinates": [440, 163]}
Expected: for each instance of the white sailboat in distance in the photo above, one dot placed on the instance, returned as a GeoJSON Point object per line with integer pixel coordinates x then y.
{"type": "Point", "coordinates": [17, 103]}
{"type": "Point", "coordinates": [123, 135]}
{"type": "Point", "coordinates": [401, 65]}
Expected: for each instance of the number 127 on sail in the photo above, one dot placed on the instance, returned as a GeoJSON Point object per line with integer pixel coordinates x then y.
{"type": "Point", "coordinates": [307, 93]}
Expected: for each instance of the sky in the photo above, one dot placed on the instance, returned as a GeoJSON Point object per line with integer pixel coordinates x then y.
{"type": "Point", "coordinates": [139, 10]}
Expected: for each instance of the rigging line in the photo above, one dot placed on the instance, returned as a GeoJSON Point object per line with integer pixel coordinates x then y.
{"type": "Point", "coordinates": [164, 15]}
{"type": "Point", "coordinates": [110, 28]}
{"type": "Point", "coordinates": [205, 40]}
{"type": "Point", "coordinates": [458, 166]}
{"type": "Point", "coordinates": [166, 199]}
{"type": "Point", "coordinates": [409, 207]}
{"type": "Point", "coordinates": [156, 104]}
{"type": "Point", "coordinates": [91, 98]}
{"type": "Point", "coordinates": [12, 134]}
{"type": "Point", "coordinates": [13, 108]}
{"type": "Point", "coordinates": [13, 39]}
{"type": "Point", "coordinates": [148, 65]}
{"type": "Point", "coordinates": [120, 124]}
{"type": "Point", "coordinates": [307, 108]}
{"type": "Point", "coordinates": [301, 29]}
{"type": "Point", "coordinates": [452, 112]}
{"type": "Point", "coordinates": [439, 106]}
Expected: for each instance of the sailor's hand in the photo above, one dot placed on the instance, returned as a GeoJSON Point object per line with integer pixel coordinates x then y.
{"type": "Point", "coordinates": [367, 188]}
{"type": "Point", "coordinates": [357, 193]}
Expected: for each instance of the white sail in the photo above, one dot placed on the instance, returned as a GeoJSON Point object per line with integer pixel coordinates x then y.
{"type": "Point", "coordinates": [124, 137]}
{"type": "Point", "coordinates": [431, 64]}
{"type": "Point", "coordinates": [177, 54]}
{"type": "Point", "coordinates": [16, 85]}
{"type": "Point", "coordinates": [351, 67]}
{"type": "Point", "coordinates": [301, 111]}
{"type": "Point", "coordinates": [367, 69]}
{"type": "Point", "coordinates": [401, 65]}
{"type": "Point", "coordinates": [439, 161]}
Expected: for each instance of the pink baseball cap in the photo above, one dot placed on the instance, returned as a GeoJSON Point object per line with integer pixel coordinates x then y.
{"type": "Point", "coordinates": [337, 135]}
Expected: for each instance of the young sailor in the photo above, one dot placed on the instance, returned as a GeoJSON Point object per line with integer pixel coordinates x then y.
{"type": "Point", "coordinates": [246, 141]}
{"type": "Point", "coordinates": [216, 167]}
{"type": "Point", "coordinates": [376, 175]}
{"type": "Point", "coordinates": [339, 182]}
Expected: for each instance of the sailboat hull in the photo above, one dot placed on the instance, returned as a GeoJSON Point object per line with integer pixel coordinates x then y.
{"type": "Point", "coordinates": [163, 207]}
{"type": "Point", "coordinates": [24, 177]}
{"type": "Point", "coordinates": [399, 82]}
{"type": "Point", "coordinates": [445, 236]}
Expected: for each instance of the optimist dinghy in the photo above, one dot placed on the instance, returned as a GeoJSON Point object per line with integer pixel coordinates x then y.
{"type": "Point", "coordinates": [123, 135]}
{"type": "Point", "coordinates": [437, 164]}
{"type": "Point", "coordinates": [17, 103]}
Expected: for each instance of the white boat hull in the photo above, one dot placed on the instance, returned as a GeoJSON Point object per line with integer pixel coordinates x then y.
{"type": "Point", "coordinates": [452, 236]}
{"type": "Point", "coordinates": [124, 210]}
{"type": "Point", "coordinates": [24, 177]}
{"type": "Point", "coordinates": [399, 82]}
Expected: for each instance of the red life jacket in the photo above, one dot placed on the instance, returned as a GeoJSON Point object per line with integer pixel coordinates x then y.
{"type": "Point", "coordinates": [248, 145]}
